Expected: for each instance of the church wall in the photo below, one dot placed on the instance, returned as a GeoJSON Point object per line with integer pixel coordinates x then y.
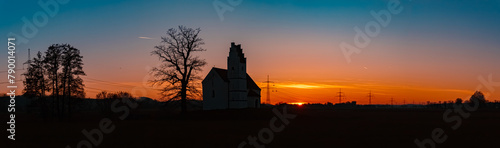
{"type": "Point", "coordinates": [254, 101]}
{"type": "Point", "coordinates": [215, 92]}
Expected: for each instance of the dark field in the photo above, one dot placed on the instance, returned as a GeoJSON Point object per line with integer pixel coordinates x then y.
{"type": "Point", "coordinates": [311, 128]}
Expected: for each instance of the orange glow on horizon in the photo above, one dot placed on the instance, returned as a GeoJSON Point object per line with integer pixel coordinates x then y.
{"type": "Point", "coordinates": [311, 71]}
{"type": "Point", "coordinates": [297, 103]}
{"type": "Point", "coordinates": [300, 93]}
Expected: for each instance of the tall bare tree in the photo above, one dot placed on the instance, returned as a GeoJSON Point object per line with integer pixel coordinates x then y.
{"type": "Point", "coordinates": [179, 66]}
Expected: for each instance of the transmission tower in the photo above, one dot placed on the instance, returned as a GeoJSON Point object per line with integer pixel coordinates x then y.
{"type": "Point", "coordinates": [370, 98]}
{"type": "Point", "coordinates": [340, 95]}
{"type": "Point", "coordinates": [28, 62]}
{"type": "Point", "coordinates": [268, 93]}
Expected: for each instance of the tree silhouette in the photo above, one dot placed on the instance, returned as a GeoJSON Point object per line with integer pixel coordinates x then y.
{"type": "Point", "coordinates": [35, 78]}
{"type": "Point", "coordinates": [479, 97]}
{"type": "Point", "coordinates": [101, 95]}
{"type": "Point", "coordinates": [459, 101]}
{"type": "Point", "coordinates": [45, 74]}
{"type": "Point", "coordinates": [52, 63]}
{"type": "Point", "coordinates": [35, 83]}
{"type": "Point", "coordinates": [179, 66]}
{"type": "Point", "coordinates": [105, 100]}
{"type": "Point", "coordinates": [72, 69]}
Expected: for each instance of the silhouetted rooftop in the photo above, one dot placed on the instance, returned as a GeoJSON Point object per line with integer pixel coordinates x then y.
{"type": "Point", "coordinates": [223, 73]}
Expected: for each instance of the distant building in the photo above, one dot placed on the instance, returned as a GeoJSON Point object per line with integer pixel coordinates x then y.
{"type": "Point", "coordinates": [231, 88]}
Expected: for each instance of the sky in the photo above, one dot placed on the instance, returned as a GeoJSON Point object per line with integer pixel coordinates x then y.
{"type": "Point", "coordinates": [433, 50]}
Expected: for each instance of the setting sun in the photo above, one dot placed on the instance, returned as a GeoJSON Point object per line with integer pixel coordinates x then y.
{"type": "Point", "coordinates": [297, 103]}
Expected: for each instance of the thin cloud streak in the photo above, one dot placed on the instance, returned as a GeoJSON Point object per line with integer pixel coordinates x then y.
{"type": "Point", "coordinates": [305, 85]}
{"type": "Point", "coordinates": [147, 38]}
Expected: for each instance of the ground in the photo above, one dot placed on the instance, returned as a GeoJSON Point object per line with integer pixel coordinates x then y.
{"type": "Point", "coordinates": [228, 128]}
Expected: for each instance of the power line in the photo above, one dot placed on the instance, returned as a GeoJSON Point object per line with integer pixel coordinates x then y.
{"type": "Point", "coordinates": [283, 92]}
{"type": "Point", "coordinates": [104, 82]}
{"type": "Point", "coordinates": [295, 94]}
{"type": "Point", "coordinates": [108, 82]}
{"type": "Point", "coordinates": [289, 97]}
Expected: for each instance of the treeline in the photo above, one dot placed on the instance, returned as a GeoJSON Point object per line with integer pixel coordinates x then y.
{"type": "Point", "coordinates": [104, 103]}
{"type": "Point", "coordinates": [477, 98]}
{"type": "Point", "coordinates": [53, 80]}
{"type": "Point", "coordinates": [104, 100]}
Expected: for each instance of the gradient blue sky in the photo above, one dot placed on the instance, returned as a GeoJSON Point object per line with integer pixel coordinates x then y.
{"type": "Point", "coordinates": [432, 50]}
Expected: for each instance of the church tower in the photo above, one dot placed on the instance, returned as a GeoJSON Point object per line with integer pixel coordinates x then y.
{"type": "Point", "coordinates": [237, 76]}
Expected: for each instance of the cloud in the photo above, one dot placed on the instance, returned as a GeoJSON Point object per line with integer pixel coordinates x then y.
{"type": "Point", "coordinates": [307, 85]}
{"type": "Point", "coordinates": [147, 38]}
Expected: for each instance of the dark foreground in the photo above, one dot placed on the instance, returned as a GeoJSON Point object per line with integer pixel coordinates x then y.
{"type": "Point", "coordinates": [311, 128]}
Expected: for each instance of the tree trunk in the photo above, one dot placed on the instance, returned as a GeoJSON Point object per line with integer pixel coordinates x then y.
{"type": "Point", "coordinates": [43, 106]}
{"type": "Point", "coordinates": [69, 99]}
{"type": "Point", "coordinates": [58, 108]}
{"type": "Point", "coordinates": [183, 98]}
{"type": "Point", "coordinates": [64, 96]}
{"type": "Point", "coordinates": [54, 100]}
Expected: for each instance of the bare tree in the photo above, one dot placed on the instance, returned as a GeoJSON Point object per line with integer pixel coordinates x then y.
{"type": "Point", "coordinates": [179, 66]}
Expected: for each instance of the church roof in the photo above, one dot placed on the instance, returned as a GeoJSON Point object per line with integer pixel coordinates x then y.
{"type": "Point", "coordinates": [253, 94]}
{"type": "Point", "coordinates": [251, 84]}
{"type": "Point", "coordinates": [223, 73]}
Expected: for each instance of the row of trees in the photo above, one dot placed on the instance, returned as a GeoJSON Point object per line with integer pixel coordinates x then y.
{"type": "Point", "coordinates": [104, 100]}
{"type": "Point", "coordinates": [56, 73]}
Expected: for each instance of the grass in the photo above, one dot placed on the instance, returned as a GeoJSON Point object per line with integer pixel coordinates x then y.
{"type": "Point", "coordinates": [227, 128]}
